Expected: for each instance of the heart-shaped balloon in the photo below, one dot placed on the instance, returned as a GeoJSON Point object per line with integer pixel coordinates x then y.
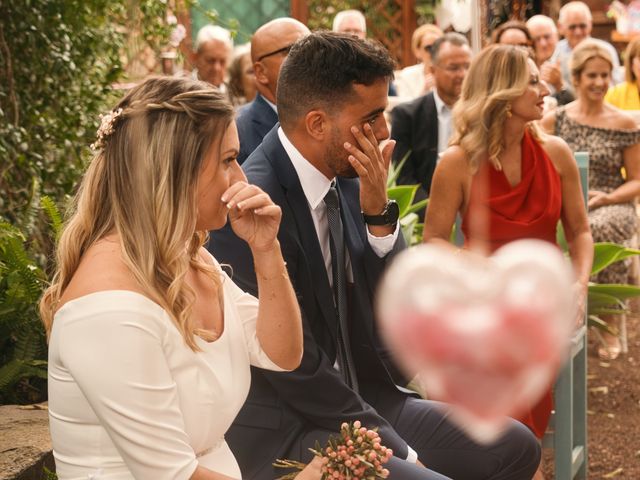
{"type": "Point", "coordinates": [485, 335]}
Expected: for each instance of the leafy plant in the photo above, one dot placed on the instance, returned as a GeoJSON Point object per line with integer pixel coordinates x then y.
{"type": "Point", "coordinates": [608, 299]}
{"type": "Point", "coordinates": [23, 350]}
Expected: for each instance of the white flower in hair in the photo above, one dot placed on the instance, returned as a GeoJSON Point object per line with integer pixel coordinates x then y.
{"type": "Point", "coordinates": [107, 124]}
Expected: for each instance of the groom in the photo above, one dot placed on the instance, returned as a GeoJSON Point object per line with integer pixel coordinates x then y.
{"type": "Point", "coordinates": [325, 168]}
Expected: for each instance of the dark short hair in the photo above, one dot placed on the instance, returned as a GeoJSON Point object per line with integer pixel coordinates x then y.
{"type": "Point", "coordinates": [511, 25]}
{"type": "Point", "coordinates": [322, 68]}
{"type": "Point", "coordinates": [453, 38]}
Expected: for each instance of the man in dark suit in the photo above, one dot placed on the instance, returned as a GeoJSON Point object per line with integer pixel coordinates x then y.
{"type": "Point", "coordinates": [270, 45]}
{"type": "Point", "coordinates": [423, 126]}
{"type": "Point", "coordinates": [325, 168]}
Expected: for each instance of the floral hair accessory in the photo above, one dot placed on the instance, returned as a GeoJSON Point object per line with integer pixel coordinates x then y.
{"type": "Point", "coordinates": [107, 124]}
{"type": "Point", "coordinates": [356, 454]}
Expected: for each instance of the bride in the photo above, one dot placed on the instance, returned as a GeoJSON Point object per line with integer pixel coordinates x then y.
{"type": "Point", "coordinates": [150, 342]}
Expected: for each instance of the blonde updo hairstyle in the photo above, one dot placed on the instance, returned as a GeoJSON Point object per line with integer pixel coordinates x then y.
{"type": "Point", "coordinates": [496, 77]}
{"type": "Point", "coordinates": [142, 185]}
{"type": "Point", "coordinates": [585, 51]}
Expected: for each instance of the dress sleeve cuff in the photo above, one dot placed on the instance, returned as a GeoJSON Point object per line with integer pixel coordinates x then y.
{"type": "Point", "coordinates": [412, 456]}
{"type": "Point", "coordinates": [383, 245]}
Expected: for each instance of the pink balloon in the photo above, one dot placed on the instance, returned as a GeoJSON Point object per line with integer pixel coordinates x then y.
{"type": "Point", "coordinates": [485, 335]}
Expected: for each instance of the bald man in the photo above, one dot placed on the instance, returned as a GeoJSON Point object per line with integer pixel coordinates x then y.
{"type": "Point", "coordinates": [270, 45]}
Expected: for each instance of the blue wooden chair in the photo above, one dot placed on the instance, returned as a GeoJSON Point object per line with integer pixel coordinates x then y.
{"type": "Point", "coordinates": [567, 433]}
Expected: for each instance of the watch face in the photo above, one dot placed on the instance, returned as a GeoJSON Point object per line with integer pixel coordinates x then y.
{"type": "Point", "coordinates": [392, 212]}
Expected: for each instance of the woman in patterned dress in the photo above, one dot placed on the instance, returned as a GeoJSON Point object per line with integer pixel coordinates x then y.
{"type": "Point", "coordinates": [613, 142]}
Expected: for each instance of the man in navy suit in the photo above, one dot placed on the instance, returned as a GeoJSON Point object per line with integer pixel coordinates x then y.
{"type": "Point", "coordinates": [423, 126]}
{"type": "Point", "coordinates": [325, 168]}
{"type": "Point", "coordinates": [270, 45]}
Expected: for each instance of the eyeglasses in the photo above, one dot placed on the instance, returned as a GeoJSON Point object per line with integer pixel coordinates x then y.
{"type": "Point", "coordinates": [581, 26]}
{"type": "Point", "coordinates": [275, 52]}
{"type": "Point", "coordinates": [455, 68]}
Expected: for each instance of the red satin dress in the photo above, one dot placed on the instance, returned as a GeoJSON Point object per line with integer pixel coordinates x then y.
{"type": "Point", "coordinates": [530, 209]}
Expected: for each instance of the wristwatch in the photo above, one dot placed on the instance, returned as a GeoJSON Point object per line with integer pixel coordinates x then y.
{"type": "Point", "coordinates": [389, 215]}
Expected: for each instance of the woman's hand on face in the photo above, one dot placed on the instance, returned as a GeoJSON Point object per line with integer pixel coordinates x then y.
{"type": "Point", "coordinates": [253, 215]}
{"type": "Point", "coordinates": [598, 199]}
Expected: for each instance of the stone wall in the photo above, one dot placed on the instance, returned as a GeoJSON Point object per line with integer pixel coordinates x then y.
{"type": "Point", "coordinates": [25, 445]}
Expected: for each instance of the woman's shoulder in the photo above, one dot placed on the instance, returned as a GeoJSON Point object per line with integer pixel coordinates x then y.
{"type": "Point", "coordinates": [557, 150]}
{"type": "Point", "coordinates": [101, 268]}
{"type": "Point", "coordinates": [619, 119]}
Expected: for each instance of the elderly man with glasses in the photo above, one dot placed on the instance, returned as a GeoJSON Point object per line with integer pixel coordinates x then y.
{"type": "Point", "coordinates": [270, 45]}
{"type": "Point", "coordinates": [575, 24]}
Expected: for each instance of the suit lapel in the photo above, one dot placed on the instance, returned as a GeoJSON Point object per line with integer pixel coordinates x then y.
{"type": "Point", "coordinates": [265, 117]}
{"type": "Point", "coordinates": [305, 229]}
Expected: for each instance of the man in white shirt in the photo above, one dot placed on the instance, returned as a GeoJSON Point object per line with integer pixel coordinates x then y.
{"type": "Point", "coordinates": [423, 126]}
{"type": "Point", "coordinates": [575, 23]}
{"type": "Point", "coordinates": [326, 170]}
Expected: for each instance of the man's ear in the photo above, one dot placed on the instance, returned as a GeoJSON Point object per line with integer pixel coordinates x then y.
{"type": "Point", "coordinates": [316, 123]}
{"type": "Point", "coordinates": [260, 72]}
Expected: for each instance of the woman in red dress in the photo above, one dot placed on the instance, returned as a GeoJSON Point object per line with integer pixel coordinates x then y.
{"type": "Point", "coordinates": [505, 178]}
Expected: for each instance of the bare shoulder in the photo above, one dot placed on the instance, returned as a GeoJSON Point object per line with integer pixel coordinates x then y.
{"type": "Point", "coordinates": [101, 268]}
{"type": "Point", "coordinates": [454, 160]}
{"type": "Point", "coordinates": [558, 151]}
{"type": "Point", "coordinates": [617, 118]}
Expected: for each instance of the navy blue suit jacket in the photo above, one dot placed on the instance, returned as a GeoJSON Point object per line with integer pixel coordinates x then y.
{"type": "Point", "coordinates": [282, 406]}
{"type": "Point", "coordinates": [414, 126]}
{"type": "Point", "coordinates": [254, 121]}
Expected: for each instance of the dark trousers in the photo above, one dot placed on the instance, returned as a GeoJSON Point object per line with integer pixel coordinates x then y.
{"type": "Point", "coordinates": [441, 446]}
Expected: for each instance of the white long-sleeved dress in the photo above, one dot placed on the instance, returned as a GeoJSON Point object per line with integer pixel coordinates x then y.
{"type": "Point", "coordinates": [129, 399]}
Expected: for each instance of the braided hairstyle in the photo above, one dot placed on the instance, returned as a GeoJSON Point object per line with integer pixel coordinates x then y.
{"type": "Point", "coordinates": [142, 185]}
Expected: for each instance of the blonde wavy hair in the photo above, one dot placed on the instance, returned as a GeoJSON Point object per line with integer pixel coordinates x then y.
{"type": "Point", "coordinates": [587, 50]}
{"type": "Point", "coordinates": [142, 185]}
{"type": "Point", "coordinates": [497, 76]}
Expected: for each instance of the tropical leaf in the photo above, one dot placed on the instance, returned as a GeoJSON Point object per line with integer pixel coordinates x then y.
{"type": "Point", "coordinates": [606, 253]}
{"type": "Point", "coordinates": [395, 169]}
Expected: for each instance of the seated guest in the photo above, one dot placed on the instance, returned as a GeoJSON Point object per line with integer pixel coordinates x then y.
{"type": "Point", "coordinates": [625, 95]}
{"type": "Point", "coordinates": [213, 49]}
{"type": "Point", "coordinates": [610, 136]}
{"type": "Point", "coordinates": [352, 22]}
{"type": "Point", "coordinates": [150, 342]}
{"type": "Point", "coordinates": [545, 38]}
{"type": "Point", "coordinates": [499, 167]}
{"type": "Point", "coordinates": [575, 23]}
{"type": "Point", "coordinates": [423, 126]}
{"type": "Point", "coordinates": [270, 45]}
{"type": "Point", "coordinates": [242, 81]}
{"type": "Point", "coordinates": [512, 32]}
{"type": "Point", "coordinates": [325, 168]}
{"type": "Point", "coordinates": [417, 80]}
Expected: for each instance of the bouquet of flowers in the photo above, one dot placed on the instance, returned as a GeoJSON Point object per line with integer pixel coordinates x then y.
{"type": "Point", "coordinates": [356, 454]}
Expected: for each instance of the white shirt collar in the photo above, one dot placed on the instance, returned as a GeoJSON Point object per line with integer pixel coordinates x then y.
{"type": "Point", "coordinates": [440, 105]}
{"type": "Point", "coordinates": [313, 182]}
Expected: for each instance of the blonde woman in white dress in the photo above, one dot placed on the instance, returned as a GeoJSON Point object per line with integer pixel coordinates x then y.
{"type": "Point", "coordinates": [150, 342]}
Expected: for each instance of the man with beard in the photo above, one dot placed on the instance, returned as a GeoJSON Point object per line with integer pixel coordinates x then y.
{"type": "Point", "coordinates": [325, 168]}
{"type": "Point", "coordinates": [423, 126]}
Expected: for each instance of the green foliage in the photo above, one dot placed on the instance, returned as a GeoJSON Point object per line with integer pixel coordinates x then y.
{"type": "Point", "coordinates": [23, 366]}
{"type": "Point", "coordinates": [58, 62]}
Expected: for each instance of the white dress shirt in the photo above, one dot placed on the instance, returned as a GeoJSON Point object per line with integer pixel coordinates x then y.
{"type": "Point", "coordinates": [315, 186]}
{"type": "Point", "coordinates": [444, 122]}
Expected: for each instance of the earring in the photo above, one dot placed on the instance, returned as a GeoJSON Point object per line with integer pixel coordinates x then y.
{"type": "Point", "coordinates": [508, 110]}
